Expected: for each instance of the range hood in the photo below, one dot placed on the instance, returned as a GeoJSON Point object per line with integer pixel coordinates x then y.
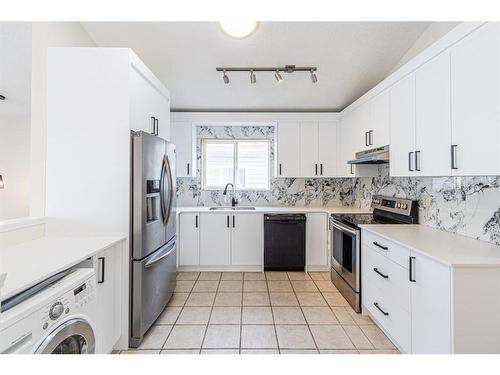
{"type": "Point", "coordinates": [379, 155]}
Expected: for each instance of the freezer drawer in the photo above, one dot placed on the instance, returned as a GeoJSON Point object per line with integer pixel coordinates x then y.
{"type": "Point", "coordinates": [153, 282]}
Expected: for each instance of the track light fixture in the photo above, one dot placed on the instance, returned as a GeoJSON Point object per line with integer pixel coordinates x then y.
{"type": "Point", "coordinates": [2, 97]}
{"type": "Point", "coordinates": [314, 79]}
{"type": "Point", "coordinates": [253, 79]}
{"type": "Point", "coordinates": [276, 70]}
{"type": "Point", "coordinates": [278, 76]}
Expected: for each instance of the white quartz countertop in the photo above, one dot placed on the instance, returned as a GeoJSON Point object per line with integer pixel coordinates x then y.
{"type": "Point", "coordinates": [448, 248]}
{"type": "Point", "coordinates": [280, 209]}
{"type": "Point", "coordinates": [31, 262]}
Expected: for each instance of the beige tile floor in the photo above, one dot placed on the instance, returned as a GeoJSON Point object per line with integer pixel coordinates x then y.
{"type": "Point", "coordinates": [272, 312]}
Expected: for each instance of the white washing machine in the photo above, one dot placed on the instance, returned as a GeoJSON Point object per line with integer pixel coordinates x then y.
{"type": "Point", "coordinates": [59, 319]}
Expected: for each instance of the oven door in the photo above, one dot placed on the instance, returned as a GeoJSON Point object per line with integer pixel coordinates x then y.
{"type": "Point", "coordinates": [345, 250]}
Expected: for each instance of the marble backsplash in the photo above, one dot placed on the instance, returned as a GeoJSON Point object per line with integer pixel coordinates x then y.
{"type": "Point", "coordinates": [468, 206]}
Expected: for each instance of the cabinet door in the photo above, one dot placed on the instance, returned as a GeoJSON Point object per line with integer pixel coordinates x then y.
{"type": "Point", "coordinates": [109, 284]}
{"type": "Point", "coordinates": [189, 239]}
{"type": "Point", "coordinates": [430, 306]}
{"type": "Point", "coordinates": [163, 115]}
{"type": "Point", "coordinates": [144, 103]}
{"type": "Point", "coordinates": [309, 149]}
{"type": "Point", "coordinates": [360, 128]}
{"type": "Point", "coordinates": [247, 239]}
{"type": "Point", "coordinates": [316, 240]}
{"type": "Point", "coordinates": [379, 120]}
{"type": "Point", "coordinates": [215, 239]}
{"type": "Point", "coordinates": [182, 137]}
{"type": "Point", "coordinates": [402, 127]}
{"type": "Point", "coordinates": [475, 95]}
{"type": "Point", "coordinates": [327, 149]}
{"type": "Point", "coordinates": [345, 145]}
{"type": "Point", "coordinates": [288, 164]}
{"type": "Point", "coordinates": [433, 125]}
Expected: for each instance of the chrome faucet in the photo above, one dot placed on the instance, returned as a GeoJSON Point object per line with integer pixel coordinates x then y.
{"type": "Point", "coordinates": [234, 202]}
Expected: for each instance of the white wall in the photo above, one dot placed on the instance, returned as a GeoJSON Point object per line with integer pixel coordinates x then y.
{"type": "Point", "coordinates": [435, 31]}
{"type": "Point", "coordinates": [14, 167]}
{"type": "Point", "coordinates": [46, 34]}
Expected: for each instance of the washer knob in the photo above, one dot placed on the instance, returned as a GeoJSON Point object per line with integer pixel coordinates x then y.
{"type": "Point", "coordinates": [56, 310]}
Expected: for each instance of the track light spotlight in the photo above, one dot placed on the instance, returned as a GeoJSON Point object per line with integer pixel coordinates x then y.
{"type": "Point", "coordinates": [253, 79]}
{"type": "Point", "coordinates": [225, 77]}
{"type": "Point", "coordinates": [314, 79]}
{"type": "Point", "coordinates": [278, 76]}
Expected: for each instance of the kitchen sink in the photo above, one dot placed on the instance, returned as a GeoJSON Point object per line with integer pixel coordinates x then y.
{"type": "Point", "coordinates": [228, 208]}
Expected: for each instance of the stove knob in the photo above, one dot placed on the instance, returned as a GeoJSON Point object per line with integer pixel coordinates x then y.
{"type": "Point", "coordinates": [405, 206]}
{"type": "Point", "coordinates": [56, 310]}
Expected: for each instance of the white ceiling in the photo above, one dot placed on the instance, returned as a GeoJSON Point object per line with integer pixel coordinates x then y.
{"type": "Point", "coordinates": [351, 57]}
{"type": "Point", "coordinates": [15, 69]}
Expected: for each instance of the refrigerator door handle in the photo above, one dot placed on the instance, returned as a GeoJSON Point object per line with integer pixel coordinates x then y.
{"type": "Point", "coordinates": [163, 254]}
{"type": "Point", "coordinates": [169, 207]}
{"type": "Point", "coordinates": [162, 192]}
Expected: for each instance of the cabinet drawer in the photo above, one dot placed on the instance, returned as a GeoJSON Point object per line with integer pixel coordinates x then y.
{"type": "Point", "coordinates": [397, 322]}
{"type": "Point", "coordinates": [389, 277]}
{"type": "Point", "coordinates": [391, 250]}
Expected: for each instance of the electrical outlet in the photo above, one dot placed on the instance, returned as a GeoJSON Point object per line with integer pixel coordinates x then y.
{"type": "Point", "coordinates": [426, 201]}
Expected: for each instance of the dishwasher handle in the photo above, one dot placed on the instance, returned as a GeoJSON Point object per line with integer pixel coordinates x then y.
{"type": "Point", "coordinates": [285, 218]}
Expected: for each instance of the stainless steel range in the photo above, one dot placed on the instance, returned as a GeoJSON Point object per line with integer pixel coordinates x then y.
{"type": "Point", "coordinates": [345, 242]}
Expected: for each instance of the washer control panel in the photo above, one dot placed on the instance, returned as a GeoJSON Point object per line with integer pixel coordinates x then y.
{"type": "Point", "coordinates": [70, 302]}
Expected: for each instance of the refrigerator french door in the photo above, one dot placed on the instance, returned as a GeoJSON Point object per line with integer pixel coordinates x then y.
{"type": "Point", "coordinates": [153, 228]}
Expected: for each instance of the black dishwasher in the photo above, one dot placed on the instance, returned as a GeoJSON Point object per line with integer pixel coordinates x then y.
{"type": "Point", "coordinates": [284, 242]}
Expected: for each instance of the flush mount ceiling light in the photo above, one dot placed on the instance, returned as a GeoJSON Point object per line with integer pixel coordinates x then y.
{"type": "Point", "coordinates": [276, 70]}
{"type": "Point", "coordinates": [238, 29]}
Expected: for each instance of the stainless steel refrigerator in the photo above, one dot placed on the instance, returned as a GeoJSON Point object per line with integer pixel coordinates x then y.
{"type": "Point", "coordinates": [153, 231]}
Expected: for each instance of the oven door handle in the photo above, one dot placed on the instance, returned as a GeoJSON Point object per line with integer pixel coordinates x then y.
{"type": "Point", "coordinates": [343, 228]}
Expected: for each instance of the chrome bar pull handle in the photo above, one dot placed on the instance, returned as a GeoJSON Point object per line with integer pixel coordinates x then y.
{"type": "Point", "coordinates": [454, 156]}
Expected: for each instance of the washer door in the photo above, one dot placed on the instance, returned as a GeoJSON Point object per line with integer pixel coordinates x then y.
{"type": "Point", "coordinates": [72, 337]}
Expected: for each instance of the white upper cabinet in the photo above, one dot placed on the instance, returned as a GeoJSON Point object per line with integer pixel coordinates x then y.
{"type": "Point", "coordinates": [346, 147]}
{"type": "Point", "coordinates": [378, 134]}
{"type": "Point", "coordinates": [185, 148]}
{"type": "Point", "coordinates": [433, 120]}
{"type": "Point", "coordinates": [402, 127]}
{"type": "Point", "coordinates": [475, 106]}
{"type": "Point", "coordinates": [149, 109]}
{"type": "Point", "coordinates": [307, 149]}
{"type": "Point", "coordinates": [327, 149]}
{"type": "Point", "coordinates": [309, 166]}
{"type": "Point", "coordinates": [288, 161]}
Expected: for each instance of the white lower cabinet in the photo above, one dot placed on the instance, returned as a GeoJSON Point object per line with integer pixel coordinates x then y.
{"type": "Point", "coordinates": [221, 239]}
{"type": "Point", "coordinates": [189, 239]}
{"type": "Point", "coordinates": [247, 239]}
{"type": "Point", "coordinates": [215, 239]}
{"type": "Point", "coordinates": [429, 307]}
{"type": "Point", "coordinates": [109, 298]}
{"type": "Point", "coordinates": [235, 241]}
{"type": "Point", "coordinates": [317, 242]}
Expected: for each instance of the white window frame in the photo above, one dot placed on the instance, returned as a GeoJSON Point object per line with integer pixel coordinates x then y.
{"type": "Point", "coordinates": [205, 141]}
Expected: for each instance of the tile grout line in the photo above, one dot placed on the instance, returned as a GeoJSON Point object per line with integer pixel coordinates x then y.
{"type": "Point", "coordinates": [210, 315]}
{"type": "Point", "coordinates": [180, 312]}
{"type": "Point", "coordinates": [304, 315]}
{"type": "Point", "coordinates": [272, 314]}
